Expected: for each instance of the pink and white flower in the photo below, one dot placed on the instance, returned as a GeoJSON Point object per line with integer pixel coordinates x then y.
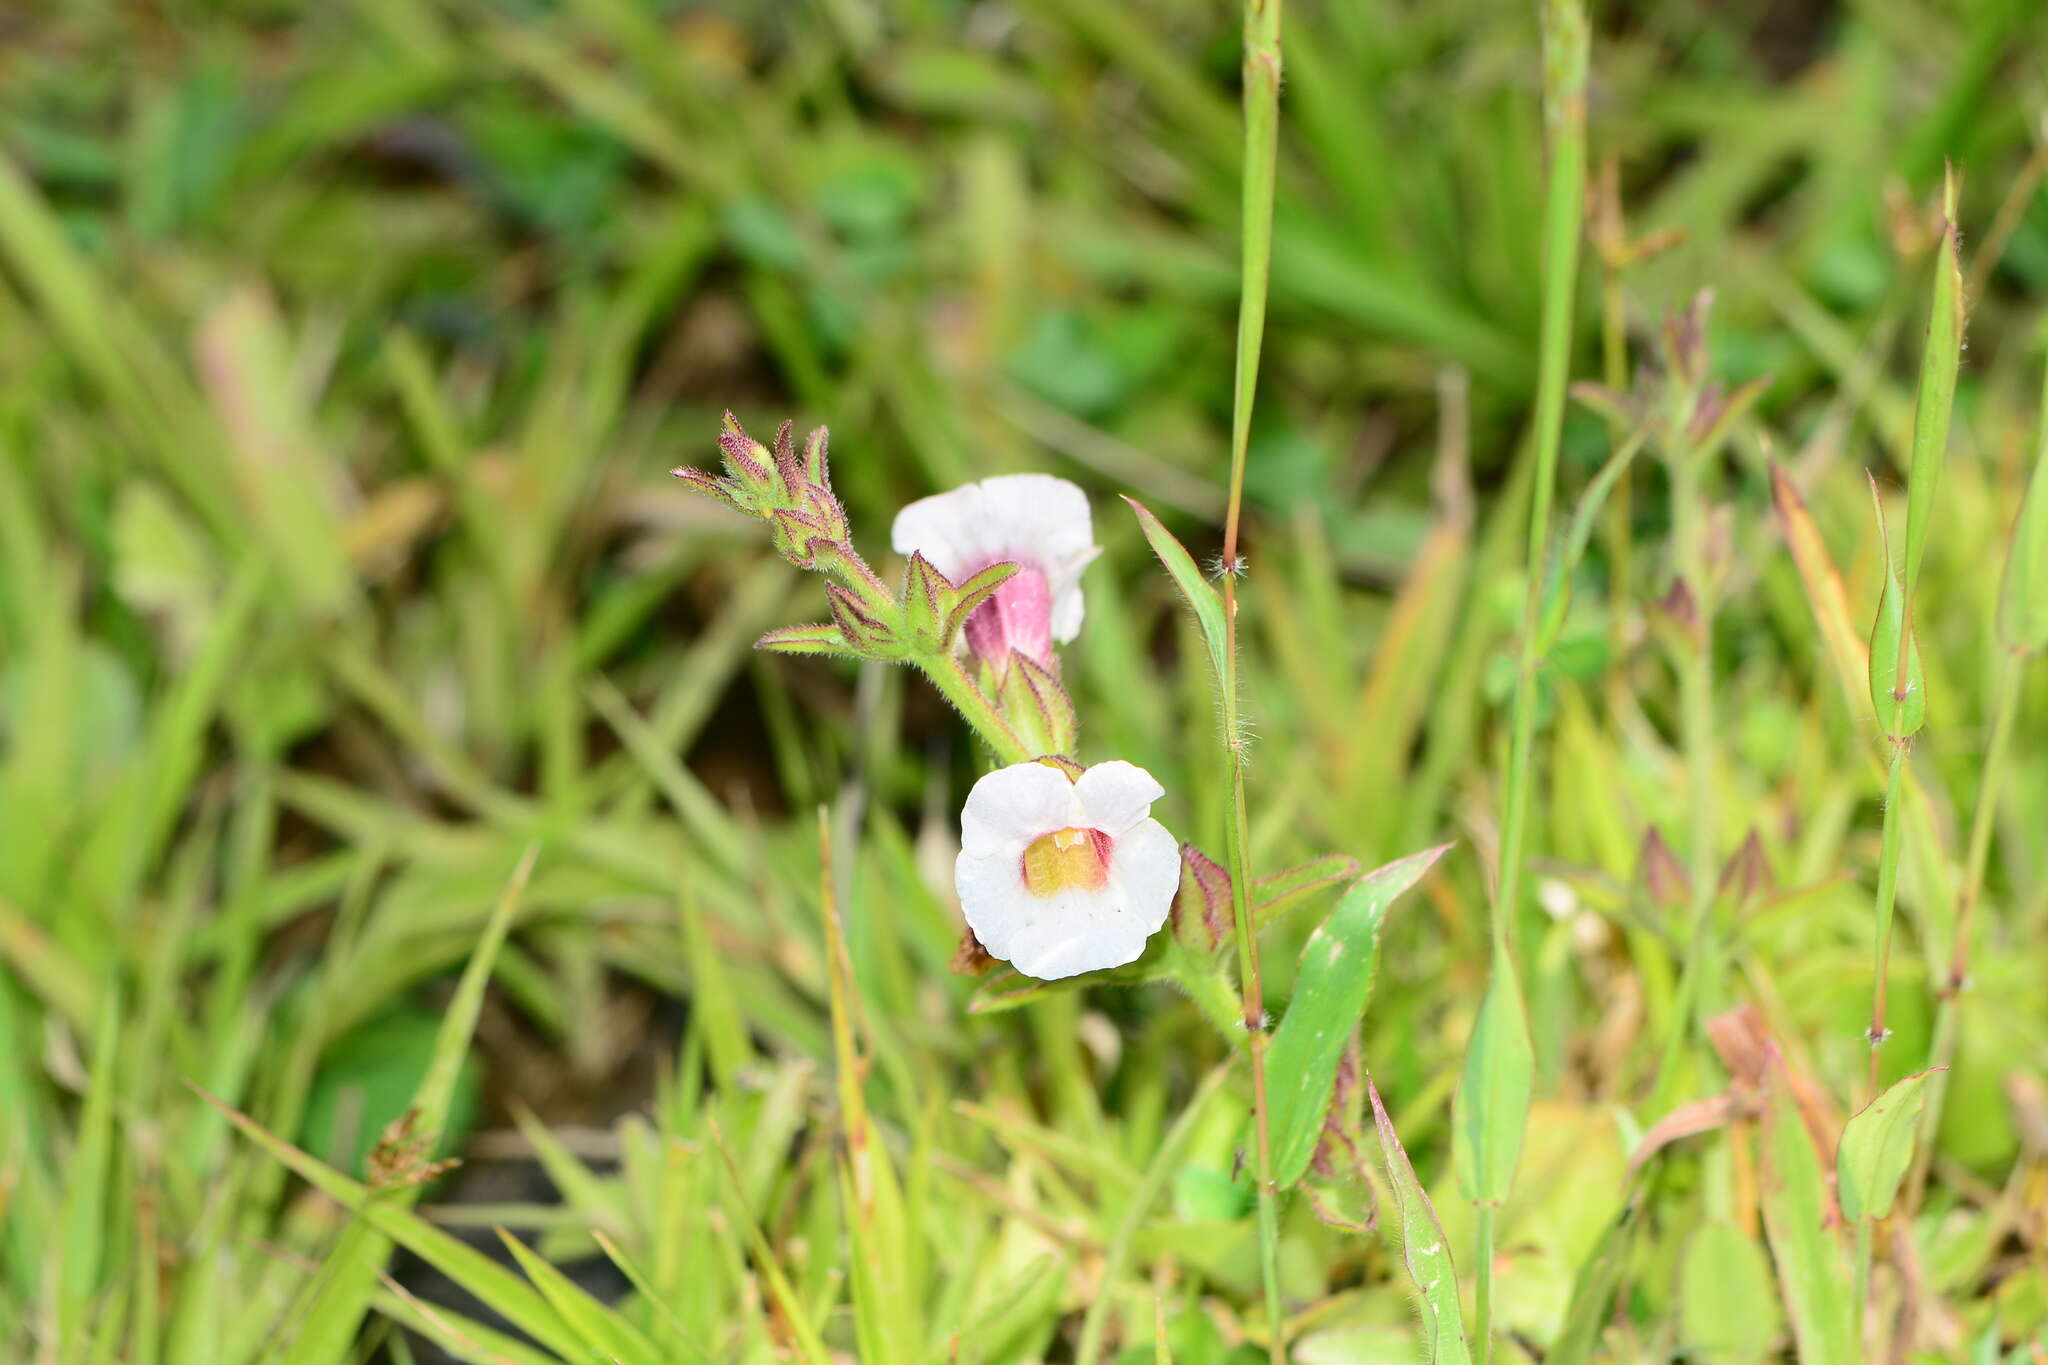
{"type": "Point", "coordinates": [1036, 521]}
{"type": "Point", "coordinates": [1061, 875]}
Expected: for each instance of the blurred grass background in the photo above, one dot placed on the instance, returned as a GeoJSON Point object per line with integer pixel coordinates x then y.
{"type": "Point", "coordinates": [345, 352]}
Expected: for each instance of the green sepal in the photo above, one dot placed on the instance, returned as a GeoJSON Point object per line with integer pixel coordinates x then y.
{"type": "Point", "coordinates": [822, 638]}
{"type": "Point", "coordinates": [971, 593]}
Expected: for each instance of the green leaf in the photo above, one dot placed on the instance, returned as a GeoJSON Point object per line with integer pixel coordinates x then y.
{"type": "Point", "coordinates": [86, 1196]}
{"type": "Point", "coordinates": [1277, 891]}
{"type": "Point", "coordinates": [1811, 1269]}
{"type": "Point", "coordinates": [1727, 1310]}
{"type": "Point", "coordinates": [1937, 397]}
{"type": "Point", "coordinates": [1493, 1093]}
{"type": "Point", "coordinates": [1180, 567]}
{"type": "Point", "coordinates": [1898, 690]}
{"type": "Point", "coordinates": [604, 1331]}
{"type": "Point", "coordinates": [1331, 991]}
{"type": "Point", "coordinates": [1877, 1147]}
{"type": "Point", "coordinates": [1423, 1248]}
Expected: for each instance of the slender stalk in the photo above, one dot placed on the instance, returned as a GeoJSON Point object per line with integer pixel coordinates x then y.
{"type": "Point", "coordinates": [950, 677]}
{"type": "Point", "coordinates": [1565, 41]}
{"type": "Point", "coordinates": [1563, 209]}
{"type": "Point", "coordinates": [1887, 896]}
{"type": "Point", "coordinates": [1934, 404]}
{"type": "Point", "coordinates": [1261, 137]}
{"type": "Point", "coordinates": [1947, 1020]}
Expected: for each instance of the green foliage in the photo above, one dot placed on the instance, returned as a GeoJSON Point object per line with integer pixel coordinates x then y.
{"type": "Point", "coordinates": [1424, 1249]}
{"type": "Point", "coordinates": [1877, 1147]}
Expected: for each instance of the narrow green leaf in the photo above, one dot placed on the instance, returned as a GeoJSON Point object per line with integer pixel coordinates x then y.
{"type": "Point", "coordinates": [1811, 1269]}
{"type": "Point", "coordinates": [679, 1332]}
{"type": "Point", "coordinates": [1331, 992]}
{"type": "Point", "coordinates": [1276, 892]}
{"type": "Point", "coordinates": [457, 1335]}
{"type": "Point", "coordinates": [1493, 1092]}
{"type": "Point", "coordinates": [601, 1329]}
{"type": "Point", "coordinates": [716, 1016]}
{"type": "Point", "coordinates": [1194, 588]}
{"type": "Point", "coordinates": [86, 1175]}
{"type": "Point", "coordinates": [1898, 690]}
{"type": "Point", "coordinates": [1938, 365]}
{"type": "Point", "coordinates": [809, 1346]}
{"type": "Point", "coordinates": [1877, 1147]}
{"type": "Point", "coordinates": [1423, 1248]}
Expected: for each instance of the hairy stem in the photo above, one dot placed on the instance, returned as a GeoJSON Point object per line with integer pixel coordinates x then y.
{"type": "Point", "coordinates": [1261, 135]}
{"type": "Point", "coordinates": [947, 674]}
{"type": "Point", "coordinates": [1564, 55]}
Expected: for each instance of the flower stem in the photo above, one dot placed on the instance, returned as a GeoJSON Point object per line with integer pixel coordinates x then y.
{"type": "Point", "coordinates": [1565, 58]}
{"type": "Point", "coordinates": [1261, 136]}
{"type": "Point", "coordinates": [973, 704]}
{"type": "Point", "coordinates": [1887, 896]}
{"type": "Point", "coordinates": [1947, 1019]}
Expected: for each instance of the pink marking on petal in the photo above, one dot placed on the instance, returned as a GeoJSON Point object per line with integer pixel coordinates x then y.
{"type": "Point", "coordinates": [1017, 617]}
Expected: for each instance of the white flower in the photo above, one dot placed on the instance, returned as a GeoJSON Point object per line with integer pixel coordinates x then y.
{"type": "Point", "coordinates": [1059, 876]}
{"type": "Point", "coordinates": [1033, 520]}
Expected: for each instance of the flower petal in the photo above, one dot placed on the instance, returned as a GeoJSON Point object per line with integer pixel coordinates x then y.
{"type": "Point", "coordinates": [952, 530]}
{"type": "Point", "coordinates": [1084, 932]}
{"type": "Point", "coordinates": [1079, 928]}
{"type": "Point", "coordinates": [1116, 795]}
{"type": "Point", "coordinates": [1064, 580]}
{"type": "Point", "coordinates": [1033, 519]}
{"type": "Point", "coordinates": [994, 900]}
{"type": "Point", "coordinates": [1011, 806]}
{"type": "Point", "coordinates": [1145, 866]}
{"type": "Point", "coordinates": [1044, 515]}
